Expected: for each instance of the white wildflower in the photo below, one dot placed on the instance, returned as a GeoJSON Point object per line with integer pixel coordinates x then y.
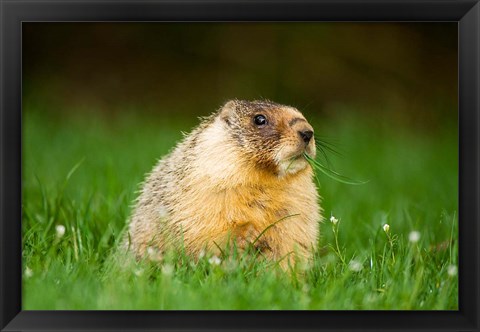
{"type": "Point", "coordinates": [452, 270]}
{"type": "Point", "coordinates": [306, 288]}
{"type": "Point", "coordinates": [201, 254]}
{"type": "Point", "coordinates": [414, 236]}
{"type": "Point", "coordinates": [386, 228]}
{"type": "Point", "coordinates": [167, 269]}
{"type": "Point", "coordinates": [370, 298]}
{"type": "Point", "coordinates": [333, 220]}
{"type": "Point", "coordinates": [60, 230]}
{"type": "Point", "coordinates": [138, 272]}
{"type": "Point", "coordinates": [214, 260]}
{"type": "Point", "coordinates": [355, 266]}
{"type": "Point", "coordinates": [28, 272]}
{"type": "Point", "coordinates": [154, 254]}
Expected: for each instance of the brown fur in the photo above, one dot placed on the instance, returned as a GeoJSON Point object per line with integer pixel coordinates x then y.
{"type": "Point", "coordinates": [229, 179]}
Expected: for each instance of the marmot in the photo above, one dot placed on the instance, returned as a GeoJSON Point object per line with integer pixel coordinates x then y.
{"type": "Point", "coordinates": [241, 172]}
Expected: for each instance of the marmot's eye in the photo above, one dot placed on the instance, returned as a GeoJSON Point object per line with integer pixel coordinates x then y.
{"type": "Point", "coordinates": [260, 120]}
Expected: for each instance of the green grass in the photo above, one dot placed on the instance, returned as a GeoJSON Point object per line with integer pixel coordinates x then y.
{"type": "Point", "coordinates": [83, 173]}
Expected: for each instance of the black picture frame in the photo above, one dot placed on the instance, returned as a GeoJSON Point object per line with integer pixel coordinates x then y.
{"type": "Point", "coordinates": [14, 12]}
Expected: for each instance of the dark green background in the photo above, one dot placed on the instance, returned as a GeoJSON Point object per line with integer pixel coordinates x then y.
{"type": "Point", "coordinates": [406, 71]}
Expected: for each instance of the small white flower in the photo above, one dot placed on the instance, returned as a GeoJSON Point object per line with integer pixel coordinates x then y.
{"type": "Point", "coordinates": [414, 236]}
{"type": "Point", "coordinates": [28, 272]}
{"type": "Point", "coordinates": [60, 230]}
{"type": "Point", "coordinates": [386, 228]}
{"type": "Point", "coordinates": [370, 298]}
{"type": "Point", "coordinates": [167, 269]}
{"type": "Point", "coordinates": [138, 272]}
{"type": "Point", "coordinates": [333, 220]}
{"type": "Point", "coordinates": [306, 288]}
{"type": "Point", "coordinates": [214, 260]}
{"type": "Point", "coordinates": [201, 254]}
{"type": "Point", "coordinates": [355, 266]}
{"type": "Point", "coordinates": [154, 254]}
{"type": "Point", "coordinates": [452, 270]}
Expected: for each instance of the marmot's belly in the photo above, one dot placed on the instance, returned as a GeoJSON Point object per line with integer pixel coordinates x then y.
{"type": "Point", "coordinates": [270, 228]}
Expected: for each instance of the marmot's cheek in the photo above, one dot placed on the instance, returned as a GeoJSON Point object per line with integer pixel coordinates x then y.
{"type": "Point", "coordinates": [285, 151]}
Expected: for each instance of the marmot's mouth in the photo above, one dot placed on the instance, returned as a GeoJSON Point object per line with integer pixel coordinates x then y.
{"type": "Point", "coordinates": [294, 157]}
{"type": "Point", "coordinates": [298, 155]}
{"type": "Point", "coordinates": [293, 164]}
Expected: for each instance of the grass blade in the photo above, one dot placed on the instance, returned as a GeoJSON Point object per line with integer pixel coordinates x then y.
{"type": "Point", "coordinates": [331, 173]}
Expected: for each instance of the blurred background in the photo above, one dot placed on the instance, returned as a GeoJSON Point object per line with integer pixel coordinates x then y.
{"type": "Point", "coordinates": [408, 70]}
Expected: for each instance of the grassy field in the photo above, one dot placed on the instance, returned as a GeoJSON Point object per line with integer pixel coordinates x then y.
{"type": "Point", "coordinates": [80, 175]}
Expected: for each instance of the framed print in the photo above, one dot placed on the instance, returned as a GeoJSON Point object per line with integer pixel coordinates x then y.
{"type": "Point", "coordinates": [239, 165]}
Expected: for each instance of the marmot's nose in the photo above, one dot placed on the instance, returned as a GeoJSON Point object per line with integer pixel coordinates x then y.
{"type": "Point", "coordinates": [306, 135]}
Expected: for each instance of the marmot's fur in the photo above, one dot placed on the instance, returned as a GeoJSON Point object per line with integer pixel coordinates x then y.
{"type": "Point", "coordinates": [240, 171]}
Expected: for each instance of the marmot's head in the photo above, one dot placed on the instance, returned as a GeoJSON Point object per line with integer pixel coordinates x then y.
{"type": "Point", "coordinates": [271, 135]}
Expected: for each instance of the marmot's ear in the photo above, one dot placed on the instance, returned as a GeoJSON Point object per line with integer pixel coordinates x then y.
{"type": "Point", "coordinates": [227, 110]}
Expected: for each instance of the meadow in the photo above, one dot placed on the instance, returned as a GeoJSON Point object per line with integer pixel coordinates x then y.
{"type": "Point", "coordinates": [81, 174]}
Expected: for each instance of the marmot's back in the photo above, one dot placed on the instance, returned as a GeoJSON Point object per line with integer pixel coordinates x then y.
{"type": "Point", "coordinates": [241, 170]}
